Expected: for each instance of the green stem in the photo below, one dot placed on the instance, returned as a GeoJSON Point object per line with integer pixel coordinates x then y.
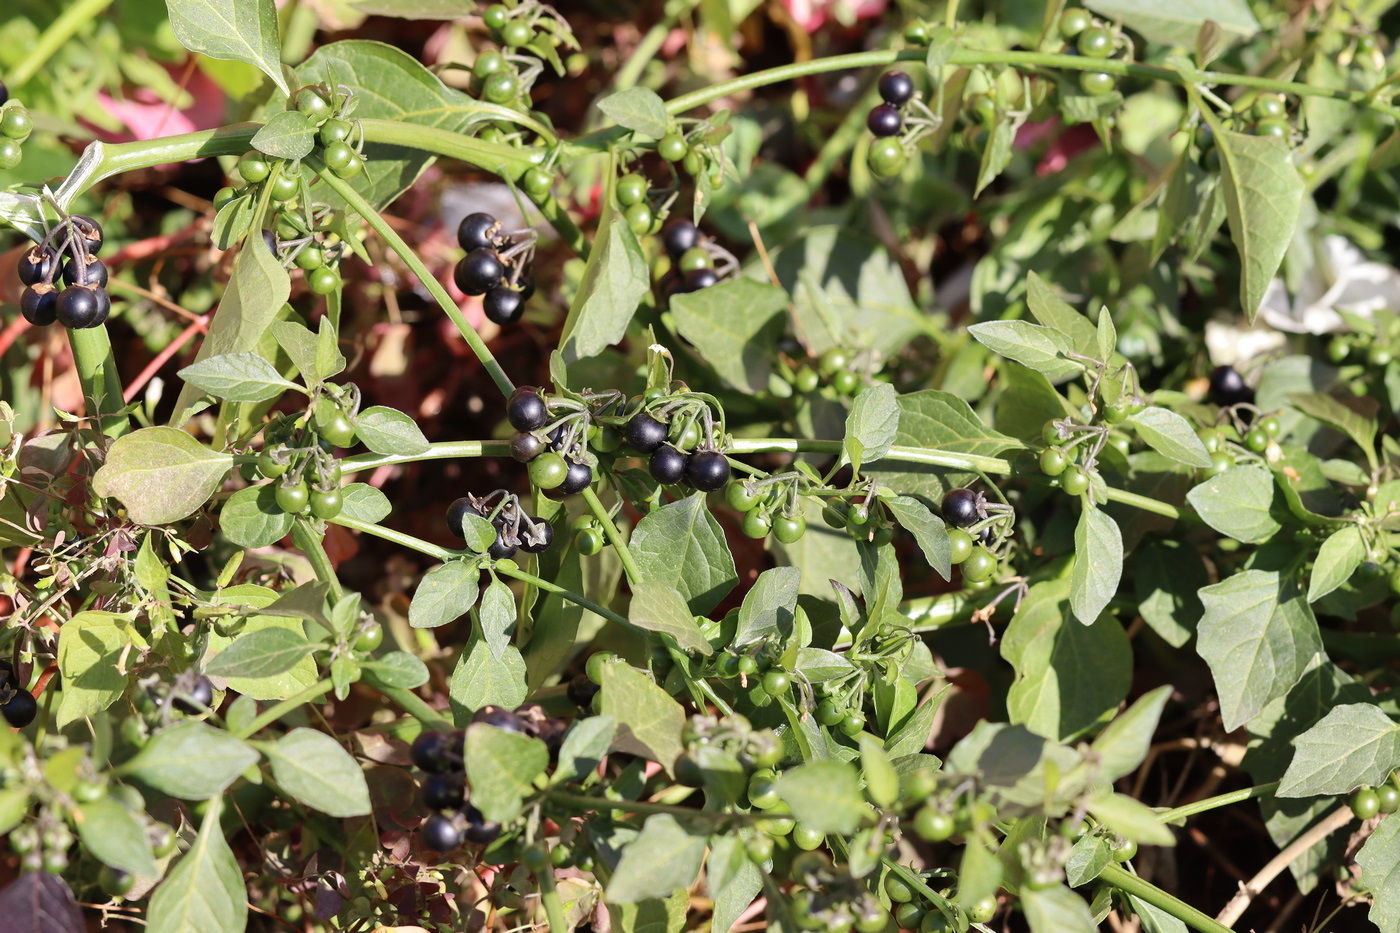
{"type": "Point", "coordinates": [584, 802]}
{"type": "Point", "coordinates": [278, 710]}
{"type": "Point", "coordinates": [430, 282]}
{"type": "Point", "coordinates": [931, 613]}
{"type": "Point", "coordinates": [102, 385]}
{"type": "Point", "coordinates": [409, 702]}
{"type": "Point", "coordinates": [443, 450]}
{"type": "Point", "coordinates": [1124, 880]}
{"type": "Point", "coordinates": [397, 537]}
{"type": "Point", "coordinates": [553, 905]}
{"type": "Point", "coordinates": [651, 43]}
{"type": "Point", "coordinates": [551, 587]}
{"type": "Point", "coordinates": [1220, 800]}
{"type": "Point", "coordinates": [1142, 502]}
{"type": "Point", "coordinates": [970, 462]}
{"type": "Point", "coordinates": [600, 512]}
{"type": "Point", "coordinates": [313, 546]}
{"type": "Point", "coordinates": [73, 18]}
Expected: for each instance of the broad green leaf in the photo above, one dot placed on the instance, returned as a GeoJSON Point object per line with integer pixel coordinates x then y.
{"type": "Point", "coordinates": [1098, 563]}
{"type": "Point", "coordinates": [1043, 349]}
{"type": "Point", "coordinates": [663, 857]}
{"type": "Point", "coordinates": [873, 423]}
{"type": "Point", "coordinates": [251, 518]}
{"type": "Point", "coordinates": [1238, 503]}
{"type": "Point", "coordinates": [260, 654]}
{"type": "Point", "coordinates": [681, 545]}
{"type": "Point", "coordinates": [286, 135]}
{"type": "Point", "coordinates": [979, 873]}
{"type": "Point", "coordinates": [1056, 910]}
{"type": "Point", "coordinates": [161, 475]}
{"type": "Point", "coordinates": [737, 893]}
{"type": "Point", "coordinates": [1170, 435]}
{"type": "Point", "coordinates": [614, 283]}
{"type": "Point", "coordinates": [1360, 427]}
{"type": "Point", "coordinates": [1054, 312]}
{"type": "Point", "coordinates": [1108, 340]}
{"type": "Point", "coordinates": [1379, 859]}
{"type": "Point", "coordinates": [390, 431]}
{"type": "Point", "coordinates": [364, 503]}
{"type": "Point", "coordinates": [316, 770]}
{"type": "Point", "coordinates": [91, 648]}
{"type": "Point", "coordinates": [821, 555]}
{"type": "Point", "coordinates": [996, 154]}
{"type": "Point", "coordinates": [241, 30]}
{"type": "Point", "coordinates": [398, 669]}
{"type": "Point", "coordinates": [1178, 23]}
{"type": "Point", "coordinates": [933, 420]}
{"type": "Point", "coordinates": [881, 780]}
{"type": "Point", "coordinates": [495, 616]}
{"type": "Point", "coordinates": [1068, 674]}
{"type": "Point", "coordinates": [233, 220]}
{"type": "Point", "coordinates": [1088, 858]}
{"type": "Point", "coordinates": [1258, 635]}
{"type": "Point", "coordinates": [501, 768]}
{"type": "Point", "coordinates": [1263, 195]}
{"type": "Point", "coordinates": [649, 720]}
{"type": "Point", "coordinates": [639, 109]}
{"type": "Point", "coordinates": [254, 296]}
{"type": "Point", "coordinates": [484, 677]}
{"type": "Point", "coordinates": [928, 530]}
{"type": "Point", "coordinates": [1337, 559]}
{"type": "Point", "coordinates": [1154, 919]}
{"type": "Point", "coordinates": [300, 345]}
{"type": "Point", "coordinates": [658, 607]}
{"type": "Point", "coordinates": [584, 746]}
{"type": "Point", "coordinates": [1353, 745]}
{"type": "Point", "coordinates": [769, 607]}
{"type": "Point", "coordinates": [329, 360]}
{"type": "Point", "coordinates": [191, 760]}
{"type": "Point", "coordinates": [1131, 819]}
{"type": "Point", "coordinates": [1167, 575]}
{"type": "Point", "coordinates": [115, 836]}
{"type": "Point", "coordinates": [732, 324]}
{"type": "Point", "coordinates": [445, 594]}
{"type": "Point", "coordinates": [1122, 746]}
{"type": "Point", "coordinates": [824, 795]}
{"type": "Point", "coordinates": [251, 598]}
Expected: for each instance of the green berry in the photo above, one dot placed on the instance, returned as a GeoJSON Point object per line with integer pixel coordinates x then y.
{"type": "Point", "coordinates": [672, 147]}
{"type": "Point", "coordinates": [1074, 481]}
{"type": "Point", "coordinates": [960, 545]}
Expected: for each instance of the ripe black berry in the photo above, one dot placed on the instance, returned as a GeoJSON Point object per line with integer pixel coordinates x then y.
{"type": "Point", "coordinates": [525, 410]}
{"type": "Point", "coordinates": [90, 230]}
{"type": "Point", "coordinates": [525, 283]}
{"type": "Point", "coordinates": [503, 305]}
{"type": "Point", "coordinates": [644, 432]}
{"type": "Point", "coordinates": [197, 699]}
{"type": "Point", "coordinates": [94, 273]}
{"type": "Point", "coordinates": [543, 531]}
{"type": "Point", "coordinates": [667, 465]}
{"type": "Point", "coordinates": [439, 833]}
{"type": "Point", "coordinates": [457, 514]}
{"type": "Point", "coordinates": [39, 304]}
{"type": "Point", "coordinates": [500, 550]}
{"type": "Point", "coordinates": [884, 120]}
{"type": "Point", "coordinates": [500, 717]}
{"type": "Point", "coordinates": [479, 271]}
{"type": "Point", "coordinates": [679, 236]}
{"type": "Point", "coordinates": [581, 691]}
{"type": "Point", "coordinates": [579, 478]}
{"type": "Point", "coordinates": [82, 306]}
{"type": "Point", "coordinates": [444, 792]}
{"type": "Point", "coordinates": [960, 507]}
{"type": "Point", "coordinates": [21, 709]}
{"type": "Point", "coordinates": [526, 447]}
{"type": "Point", "coordinates": [896, 88]}
{"type": "Point", "coordinates": [1227, 387]}
{"type": "Point", "coordinates": [435, 752]}
{"type": "Point", "coordinates": [481, 831]}
{"type": "Point", "coordinates": [37, 265]}
{"type": "Point", "coordinates": [474, 232]}
{"type": "Point", "coordinates": [707, 470]}
{"type": "Point", "coordinates": [696, 279]}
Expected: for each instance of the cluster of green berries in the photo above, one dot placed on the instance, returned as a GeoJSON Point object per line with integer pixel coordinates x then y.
{"type": "Point", "coordinates": [515, 28]}
{"type": "Point", "coordinates": [692, 263]}
{"type": "Point", "coordinates": [1381, 800]}
{"type": "Point", "coordinates": [15, 127]}
{"type": "Point", "coordinates": [1268, 116]}
{"type": "Point", "coordinates": [961, 509]}
{"type": "Point", "coordinates": [1219, 442]}
{"type": "Point", "coordinates": [496, 266]}
{"type": "Point", "coordinates": [514, 529]}
{"type": "Point", "coordinates": [496, 79]}
{"type": "Point", "coordinates": [836, 368]}
{"type": "Point", "coordinates": [864, 521]}
{"type": "Point", "coordinates": [835, 711]}
{"type": "Point", "coordinates": [64, 280]}
{"type": "Point", "coordinates": [766, 509]}
{"type": "Point", "coordinates": [1376, 350]}
{"type": "Point", "coordinates": [1086, 36]}
{"type": "Point", "coordinates": [1056, 462]}
{"type": "Point", "coordinates": [308, 477]}
{"type": "Point", "coordinates": [20, 708]}
{"type": "Point", "coordinates": [885, 121]}
{"type": "Point", "coordinates": [750, 664]}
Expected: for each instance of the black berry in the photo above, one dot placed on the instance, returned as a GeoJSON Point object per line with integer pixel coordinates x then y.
{"type": "Point", "coordinates": [444, 792]}
{"type": "Point", "coordinates": [457, 514]}
{"type": "Point", "coordinates": [439, 833]}
{"type": "Point", "coordinates": [481, 831]}
{"type": "Point", "coordinates": [37, 265]}
{"type": "Point", "coordinates": [4, 94]}
{"type": "Point", "coordinates": [479, 271]}
{"type": "Point", "coordinates": [21, 709]}
{"type": "Point", "coordinates": [667, 465]}
{"type": "Point", "coordinates": [526, 447]}
{"type": "Point", "coordinates": [579, 478]}
{"type": "Point", "coordinates": [525, 410]}
{"type": "Point", "coordinates": [503, 305]}
{"type": "Point", "coordinates": [543, 532]}
{"type": "Point", "coordinates": [434, 752]}
{"type": "Point", "coordinates": [94, 273]}
{"type": "Point", "coordinates": [1227, 387]}
{"type": "Point", "coordinates": [645, 433]}
{"type": "Point", "coordinates": [696, 279]}
{"type": "Point", "coordinates": [707, 470]}
{"type": "Point", "coordinates": [896, 88]}
{"type": "Point", "coordinates": [581, 691]}
{"type": "Point", "coordinates": [884, 120]}
{"type": "Point", "coordinates": [474, 232]}
{"type": "Point", "coordinates": [500, 717]}
{"type": "Point", "coordinates": [960, 507]}
{"type": "Point", "coordinates": [197, 699]}
{"type": "Point", "coordinates": [679, 236]}
{"type": "Point", "coordinates": [82, 306]}
{"type": "Point", "coordinates": [39, 304]}
{"type": "Point", "coordinates": [90, 230]}
{"type": "Point", "coordinates": [500, 550]}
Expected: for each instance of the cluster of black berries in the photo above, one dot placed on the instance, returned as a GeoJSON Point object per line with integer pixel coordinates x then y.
{"type": "Point", "coordinates": [705, 469]}
{"type": "Point", "coordinates": [445, 788]}
{"type": "Point", "coordinates": [21, 708]}
{"type": "Point", "coordinates": [692, 265]}
{"type": "Point", "coordinates": [496, 266]}
{"type": "Point", "coordinates": [514, 529]}
{"type": "Point", "coordinates": [68, 257]}
{"type": "Point", "coordinates": [896, 89]}
{"type": "Point", "coordinates": [558, 475]}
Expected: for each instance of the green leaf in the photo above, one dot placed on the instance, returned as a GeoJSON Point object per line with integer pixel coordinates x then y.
{"type": "Point", "coordinates": [250, 598]}
{"type": "Point", "coordinates": [1379, 859]}
{"type": "Point", "coordinates": [161, 475]}
{"type": "Point", "coordinates": [1238, 503]}
{"type": "Point", "coordinates": [873, 423]}
{"type": "Point", "coordinates": [1098, 563]}
{"type": "Point", "coordinates": [769, 607]}
{"type": "Point", "coordinates": [398, 669]}
{"type": "Point", "coordinates": [1358, 426]}
{"type": "Point", "coordinates": [638, 109]}
{"type": "Point", "coordinates": [445, 594]}
{"type": "Point", "coordinates": [1263, 195]}
{"type": "Point", "coordinates": [1088, 858]}
{"type": "Point", "coordinates": [1258, 635]}
{"type": "Point", "coordinates": [496, 617]}
{"type": "Point", "coordinates": [233, 220]}
{"type": "Point", "coordinates": [240, 30]}
{"type": "Point", "coordinates": [658, 607]}
{"type": "Point", "coordinates": [1054, 312]}
{"type": "Point", "coordinates": [191, 760]}
{"type": "Point", "coordinates": [731, 325]}
{"type": "Point", "coordinates": [1178, 23]}
{"type": "Point", "coordinates": [1337, 559]}
{"type": "Point", "coordinates": [928, 530]}
{"type": "Point", "coordinates": [824, 795]}
{"type": "Point", "coordinates": [251, 518]}
{"type": "Point", "coordinates": [363, 503]}
{"type": "Point", "coordinates": [649, 720]}
{"type": "Point", "coordinates": [614, 282]}
{"type": "Point", "coordinates": [90, 649]}
{"type": "Point", "coordinates": [663, 857]}
{"type": "Point", "coordinates": [115, 837]}
{"type": "Point", "coordinates": [1124, 743]}
{"type": "Point", "coordinates": [260, 654]}
{"type": "Point", "coordinates": [316, 770]}
{"type": "Point", "coordinates": [501, 768]}
{"type": "Point", "coordinates": [1042, 349]}
{"type": "Point", "coordinates": [881, 780]}
{"type": "Point", "coordinates": [1130, 819]}
{"type": "Point", "coordinates": [996, 154]}
{"type": "Point", "coordinates": [286, 135]}
{"type": "Point", "coordinates": [1170, 435]}
{"type": "Point", "coordinates": [584, 746]}
{"type": "Point", "coordinates": [300, 345]}
{"type": "Point", "coordinates": [389, 431]}
{"type": "Point", "coordinates": [1167, 575]}
{"type": "Point", "coordinates": [1056, 910]}
{"type": "Point", "coordinates": [484, 677]}
{"type": "Point", "coordinates": [1353, 745]}
{"type": "Point", "coordinates": [681, 545]}
{"type": "Point", "coordinates": [941, 45]}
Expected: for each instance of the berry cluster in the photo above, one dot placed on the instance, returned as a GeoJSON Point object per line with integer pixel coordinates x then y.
{"type": "Point", "coordinates": [21, 708]}
{"type": "Point", "coordinates": [966, 509]}
{"type": "Point", "coordinates": [514, 529]}
{"type": "Point", "coordinates": [692, 260]}
{"type": "Point", "coordinates": [307, 471]}
{"type": "Point", "coordinates": [847, 372]}
{"type": "Point", "coordinates": [496, 266]}
{"type": "Point", "coordinates": [768, 506]}
{"type": "Point", "coordinates": [1381, 800]}
{"type": "Point", "coordinates": [669, 446]}
{"type": "Point", "coordinates": [557, 460]}
{"type": "Point", "coordinates": [1092, 40]}
{"type": "Point", "coordinates": [15, 127]}
{"type": "Point", "coordinates": [887, 120]}
{"type": "Point", "coordinates": [67, 257]}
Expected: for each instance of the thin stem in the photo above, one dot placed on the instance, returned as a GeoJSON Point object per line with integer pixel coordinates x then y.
{"type": "Point", "coordinates": [911, 878]}
{"type": "Point", "coordinates": [313, 546]}
{"type": "Point", "coordinates": [1220, 800]}
{"type": "Point", "coordinates": [550, 586]}
{"type": "Point", "coordinates": [396, 537]}
{"type": "Point", "coordinates": [430, 282]}
{"type": "Point", "coordinates": [584, 802]}
{"type": "Point", "coordinates": [553, 905]}
{"type": "Point", "coordinates": [79, 14]}
{"type": "Point", "coordinates": [969, 462]}
{"type": "Point", "coordinates": [600, 512]}
{"type": "Point", "coordinates": [278, 710]}
{"type": "Point", "coordinates": [102, 385]}
{"type": "Point", "coordinates": [409, 702]}
{"type": "Point", "coordinates": [931, 613]}
{"type": "Point", "coordinates": [1301, 844]}
{"type": "Point", "coordinates": [442, 450]}
{"type": "Point", "coordinates": [1124, 880]}
{"type": "Point", "coordinates": [1142, 502]}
